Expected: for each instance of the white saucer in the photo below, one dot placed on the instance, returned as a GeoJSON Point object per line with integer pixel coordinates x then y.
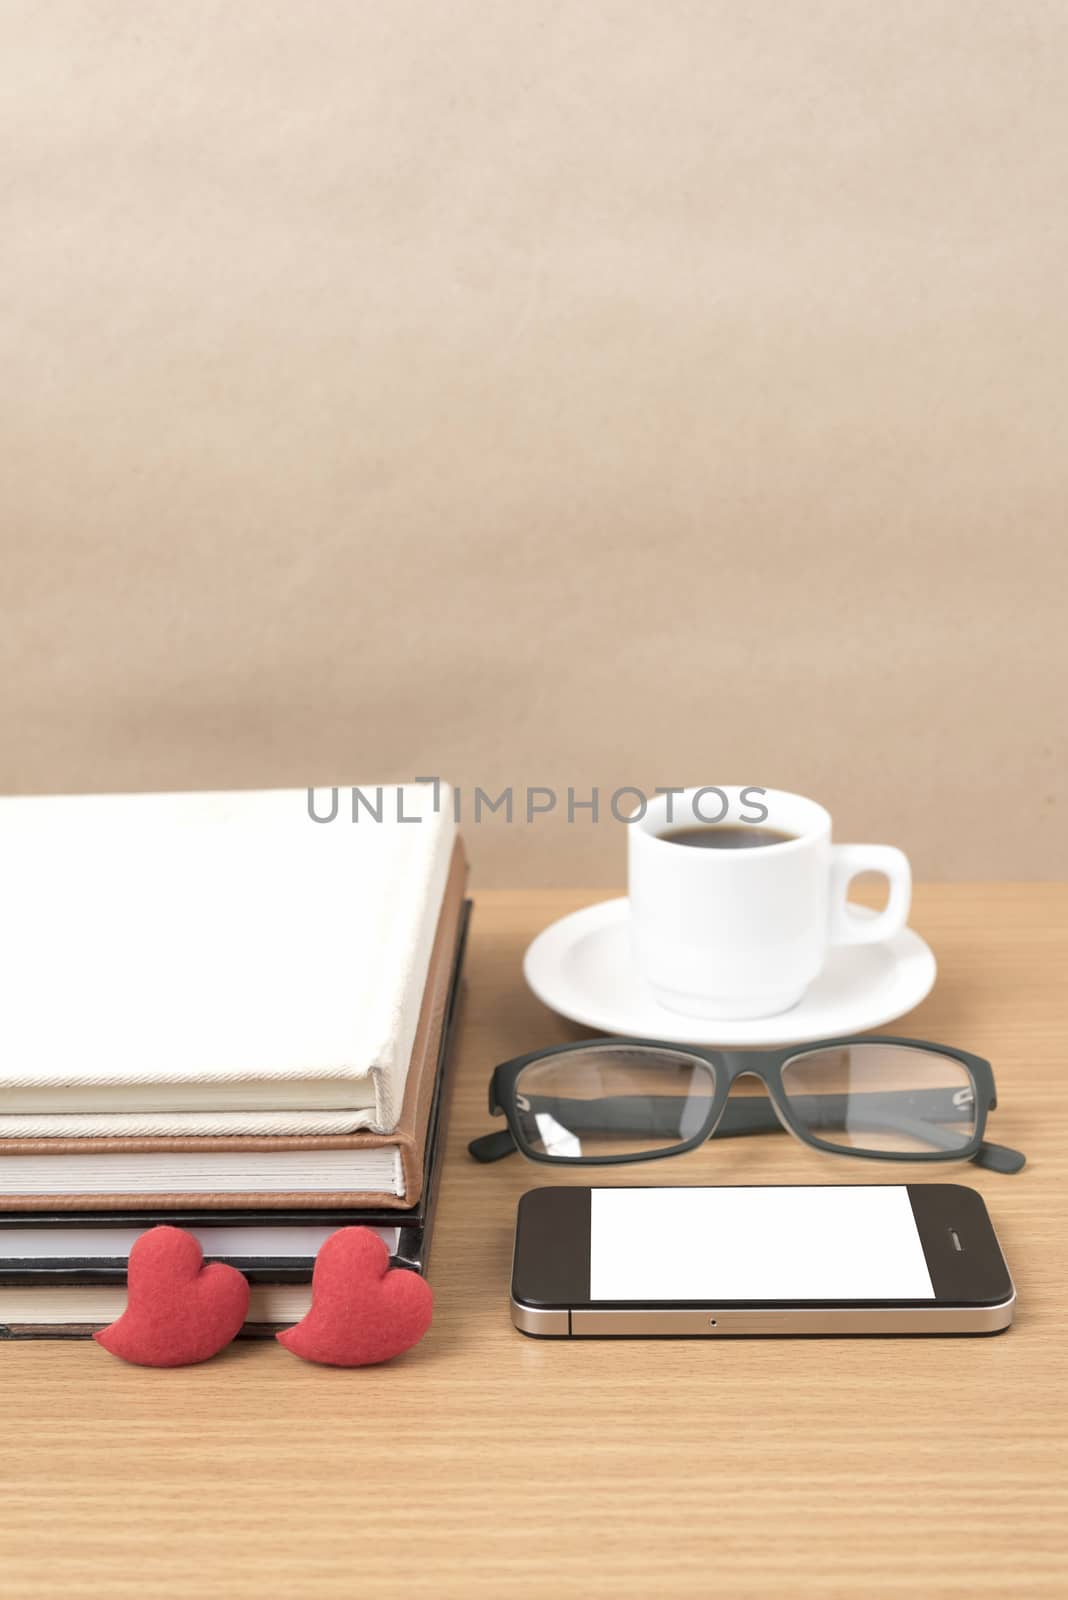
{"type": "Point", "coordinates": [582, 966]}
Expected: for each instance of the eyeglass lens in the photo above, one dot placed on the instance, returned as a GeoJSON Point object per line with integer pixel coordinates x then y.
{"type": "Point", "coordinates": [883, 1098]}
{"type": "Point", "coordinates": [613, 1100]}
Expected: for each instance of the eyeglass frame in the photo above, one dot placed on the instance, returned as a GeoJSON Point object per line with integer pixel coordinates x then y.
{"type": "Point", "coordinates": [727, 1066]}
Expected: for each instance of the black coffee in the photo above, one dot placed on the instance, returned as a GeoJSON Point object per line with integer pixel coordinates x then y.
{"type": "Point", "coordinates": [726, 836]}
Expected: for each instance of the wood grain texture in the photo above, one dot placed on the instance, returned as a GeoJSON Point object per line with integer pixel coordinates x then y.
{"type": "Point", "coordinates": [744, 1468]}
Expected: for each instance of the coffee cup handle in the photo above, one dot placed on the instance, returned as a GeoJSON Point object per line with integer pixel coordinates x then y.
{"type": "Point", "coordinates": [847, 860]}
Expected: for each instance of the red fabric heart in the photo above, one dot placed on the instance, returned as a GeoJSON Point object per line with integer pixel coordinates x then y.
{"type": "Point", "coordinates": [362, 1312]}
{"type": "Point", "coordinates": [178, 1311]}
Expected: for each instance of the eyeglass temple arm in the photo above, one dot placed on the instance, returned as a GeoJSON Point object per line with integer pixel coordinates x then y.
{"type": "Point", "coordinates": [493, 1146]}
{"type": "Point", "coordinates": [999, 1158]}
{"type": "Point", "coordinates": [751, 1116]}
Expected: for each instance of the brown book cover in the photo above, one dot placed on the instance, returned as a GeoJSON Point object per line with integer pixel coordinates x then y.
{"type": "Point", "coordinates": [409, 1138]}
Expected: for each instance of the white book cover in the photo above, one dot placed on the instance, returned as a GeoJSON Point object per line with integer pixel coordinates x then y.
{"type": "Point", "coordinates": [215, 962]}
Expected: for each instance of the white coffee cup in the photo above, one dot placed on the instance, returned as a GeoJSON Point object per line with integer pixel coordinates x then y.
{"type": "Point", "coordinates": [736, 933]}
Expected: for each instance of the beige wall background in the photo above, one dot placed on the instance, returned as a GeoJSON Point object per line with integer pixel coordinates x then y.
{"type": "Point", "coordinates": [542, 394]}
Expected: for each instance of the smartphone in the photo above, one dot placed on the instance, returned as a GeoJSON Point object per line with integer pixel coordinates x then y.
{"type": "Point", "coordinates": [711, 1262]}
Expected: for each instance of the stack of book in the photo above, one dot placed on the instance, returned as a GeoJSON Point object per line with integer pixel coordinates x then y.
{"type": "Point", "coordinates": [224, 1012]}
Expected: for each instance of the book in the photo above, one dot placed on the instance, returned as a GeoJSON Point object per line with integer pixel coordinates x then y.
{"type": "Point", "coordinates": [48, 1291]}
{"type": "Point", "coordinates": [75, 1311]}
{"type": "Point", "coordinates": [219, 964]}
{"type": "Point", "coordinates": [34, 1255]}
{"type": "Point", "coordinates": [74, 1281]}
{"type": "Point", "coordinates": [332, 1171]}
{"type": "Point", "coordinates": [414, 1221]}
{"type": "Point", "coordinates": [339, 1170]}
{"type": "Point", "coordinates": [63, 1275]}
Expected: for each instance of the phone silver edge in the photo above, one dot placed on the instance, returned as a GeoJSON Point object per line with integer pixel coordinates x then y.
{"type": "Point", "coordinates": [638, 1321]}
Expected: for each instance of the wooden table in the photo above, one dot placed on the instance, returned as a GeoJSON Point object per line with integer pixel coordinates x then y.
{"type": "Point", "coordinates": [486, 1464]}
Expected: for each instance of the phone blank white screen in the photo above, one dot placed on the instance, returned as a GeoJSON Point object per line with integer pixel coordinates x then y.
{"type": "Point", "coordinates": [756, 1244]}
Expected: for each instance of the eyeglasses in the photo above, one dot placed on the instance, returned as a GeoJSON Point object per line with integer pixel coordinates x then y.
{"type": "Point", "coordinates": [607, 1101]}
